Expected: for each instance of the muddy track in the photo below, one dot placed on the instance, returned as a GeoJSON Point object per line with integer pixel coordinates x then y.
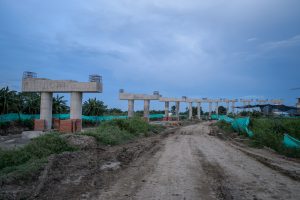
{"type": "Point", "coordinates": [190, 163]}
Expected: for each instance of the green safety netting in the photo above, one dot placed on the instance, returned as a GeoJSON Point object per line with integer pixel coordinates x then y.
{"type": "Point", "coordinates": [240, 124]}
{"type": "Point", "coordinates": [15, 116]}
{"type": "Point", "coordinates": [290, 141]}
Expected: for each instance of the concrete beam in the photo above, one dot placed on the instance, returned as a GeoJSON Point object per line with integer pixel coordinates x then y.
{"type": "Point", "coordinates": [195, 100]}
{"type": "Point", "coordinates": [57, 86]}
{"type": "Point", "coordinates": [166, 99]}
{"type": "Point", "coordinates": [129, 96]}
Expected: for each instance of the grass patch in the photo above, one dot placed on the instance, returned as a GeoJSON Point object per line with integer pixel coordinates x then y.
{"type": "Point", "coordinates": [269, 132]}
{"type": "Point", "coordinates": [119, 131]}
{"type": "Point", "coordinates": [22, 161]}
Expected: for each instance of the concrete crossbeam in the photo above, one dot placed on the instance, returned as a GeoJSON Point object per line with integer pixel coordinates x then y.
{"type": "Point", "coordinates": [129, 96]}
{"type": "Point", "coordinates": [59, 86]}
{"type": "Point", "coordinates": [166, 99]}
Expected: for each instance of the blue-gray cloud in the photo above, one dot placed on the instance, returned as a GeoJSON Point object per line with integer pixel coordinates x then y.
{"type": "Point", "coordinates": [195, 48]}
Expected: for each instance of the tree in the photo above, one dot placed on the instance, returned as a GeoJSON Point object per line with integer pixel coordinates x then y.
{"type": "Point", "coordinates": [222, 110]}
{"type": "Point", "coordinates": [8, 101]}
{"type": "Point", "coordinates": [173, 110]}
{"type": "Point", "coordinates": [59, 105]}
{"type": "Point", "coordinates": [94, 107]}
{"type": "Point", "coordinates": [114, 111]}
{"type": "Point", "coordinates": [29, 103]}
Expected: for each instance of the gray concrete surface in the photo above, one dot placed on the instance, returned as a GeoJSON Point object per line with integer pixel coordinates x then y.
{"type": "Point", "coordinates": [47, 85]}
{"type": "Point", "coordinates": [76, 105]}
{"type": "Point", "coordinates": [46, 109]}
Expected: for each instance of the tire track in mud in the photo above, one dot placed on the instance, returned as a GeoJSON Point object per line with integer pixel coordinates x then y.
{"type": "Point", "coordinates": [215, 174]}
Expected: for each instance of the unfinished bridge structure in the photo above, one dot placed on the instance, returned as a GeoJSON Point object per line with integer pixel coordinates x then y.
{"type": "Point", "coordinates": [47, 87]}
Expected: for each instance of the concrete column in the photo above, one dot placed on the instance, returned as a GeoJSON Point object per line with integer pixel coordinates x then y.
{"type": "Point", "coordinates": [227, 108]}
{"type": "Point", "coordinates": [130, 108]}
{"type": "Point", "coordinates": [177, 109]}
{"type": "Point", "coordinates": [46, 109]}
{"type": "Point", "coordinates": [199, 110]}
{"type": "Point", "coordinates": [209, 108]}
{"type": "Point", "coordinates": [146, 108]}
{"type": "Point", "coordinates": [217, 108]}
{"type": "Point", "coordinates": [76, 105]}
{"type": "Point", "coordinates": [166, 109]}
{"type": "Point", "coordinates": [190, 110]}
{"type": "Point", "coordinates": [233, 109]}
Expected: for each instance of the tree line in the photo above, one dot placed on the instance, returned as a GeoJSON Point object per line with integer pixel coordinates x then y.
{"type": "Point", "coordinates": [29, 103]}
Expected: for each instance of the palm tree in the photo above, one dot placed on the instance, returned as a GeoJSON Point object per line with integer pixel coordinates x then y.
{"type": "Point", "coordinates": [94, 107]}
{"type": "Point", "coordinates": [29, 103]}
{"type": "Point", "coordinates": [8, 101]}
{"type": "Point", "coordinates": [59, 105]}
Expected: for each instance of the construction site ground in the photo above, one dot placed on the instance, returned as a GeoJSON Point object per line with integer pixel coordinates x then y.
{"type": "Point", "coordinates": [190, 162]}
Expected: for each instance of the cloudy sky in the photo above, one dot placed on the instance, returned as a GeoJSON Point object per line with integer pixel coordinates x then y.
{"type": "Point", "coordinates": [207, 48]}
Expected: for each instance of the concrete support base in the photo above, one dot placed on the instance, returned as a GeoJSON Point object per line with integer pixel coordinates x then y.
{"type": "Point", "coordinates": [130, 108]}
{"type": "Point", "coordinates": [46, 109]}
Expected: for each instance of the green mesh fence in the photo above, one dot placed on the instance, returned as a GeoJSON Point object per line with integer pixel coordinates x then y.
{"type": "Point", "coordinates": [239, 125]}
{"type": "Point", "coordinates": [15, 116]}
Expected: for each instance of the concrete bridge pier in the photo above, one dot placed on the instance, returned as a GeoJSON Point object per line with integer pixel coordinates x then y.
{"type": "Point", "coordinates": [130, 108]}
{"type": "Point", "coordinates": [146, 109]}
{"type": "Point", "coordinates": [233, 107]}
{"type": "Point", "coordinates": [190, 110]}
{"type": "Point", "coordinates": [227, 108]}
{"type": "Point", "coordinates": [46, 109]}
{"type": "Point", "coordinates": [209, 108]}
{"type": "Point", "coordinates": [177, 109]}
{"type": "Point", "coordinates": [76, 105]}
{"type": "Point", "coordinates": [199, 110]}
{"type": "Point", "coordinates": [166, 110]}
{"type": "Point", "coordinates": [217, 108]}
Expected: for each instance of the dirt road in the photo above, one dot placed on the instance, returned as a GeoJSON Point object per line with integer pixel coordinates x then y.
{"type": "Point", "coordinates": [191, 164]}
